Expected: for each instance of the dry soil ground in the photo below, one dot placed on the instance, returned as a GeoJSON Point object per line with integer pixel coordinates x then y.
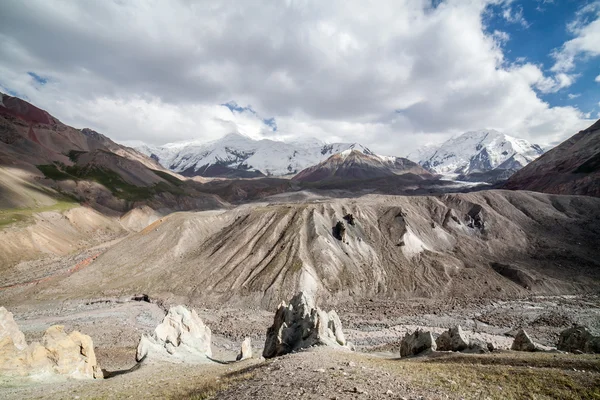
{"type": "Point", "coordinates": [374, 370]}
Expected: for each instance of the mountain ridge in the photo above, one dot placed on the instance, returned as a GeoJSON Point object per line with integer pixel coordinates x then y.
{"type": "Point", "coordinates": [236, 155]}
{"type": "Point", "coordinates": [572, 167]}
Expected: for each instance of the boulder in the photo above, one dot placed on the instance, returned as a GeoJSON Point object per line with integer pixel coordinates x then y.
{"type": "Point", "coordinates": [454, 339]}
{"type": "Point", "coordinates": [578, 339]}
{"type": "Point", "coordinates": [10, 329]}
{"type": "Point", "coordinates": [182, 336]}
{"type": "Point", "coordinates": [350, 219]}
{"type": "Point", "coordinates": [246, 350]}
{"type": "Point", "coordinates": [416, 343]}
{"type": "Point", "coordinates": [59, 355]}
{"type": "Point", "coordinates": [523, 342]}
{"type": "Point", "coordinates": [300, 325]}
{"type": "Point", "coordinates": [339, 231]}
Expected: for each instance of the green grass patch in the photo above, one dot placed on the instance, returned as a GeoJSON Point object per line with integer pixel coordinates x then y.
{"type": "Point", "coordinates": [168, 177]}
{"type": "Point", "coordinates": [113, 181]}
{"type": "Point", "coordinates": [74, 154]}
{"type": "Point", "coordinates": [15, 215]}
{"type": "Point", "coordinates": [52, 171]}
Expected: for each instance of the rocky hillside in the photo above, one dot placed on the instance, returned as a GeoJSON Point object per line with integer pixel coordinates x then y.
{"type": "Point", "coordinates": [238, 156]}
{"type": "Point", "coordinates": [45, 161]}
{"type": "Point", "coordinates": [355, 165]}
{"type": "Point", "coordinates": [483, 156]}
{"type": "Point", "coordinates": [572, 167]}
{"type": "Point", "coordinates": [490, 244]}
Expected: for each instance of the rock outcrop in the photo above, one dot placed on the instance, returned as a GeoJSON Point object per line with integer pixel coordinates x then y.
{"type": "Point", "coordinates": [59, 354]}
{"type": "Point", "coordinates": [523, 342]}
{"type": "Point", "coordinates": [350, 219]}
{"type": "Point", "coordinates": [300, 325]}
{"type": "Point", "coordinates": [454, 339]}
{"type": "Point", "coordinates": [182, 336]}
{"type": "Point", "coordinates": [416, 343]}
{"type": "Point", "coordinates": [245, 350]}
{"type": "Point", "coordinates": [10, 329]}
{"type": "Point", "coordinates": [578, 339]}
{"type": "Point", "coordinates": [339, 231]}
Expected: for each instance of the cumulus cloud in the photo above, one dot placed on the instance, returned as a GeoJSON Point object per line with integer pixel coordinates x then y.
{"type": "Point", "coordinates": [586, 29]}
{"type": "Point", "coordinates": [597, 79]}
{"type": "Point", "coordinates": [393, 77]}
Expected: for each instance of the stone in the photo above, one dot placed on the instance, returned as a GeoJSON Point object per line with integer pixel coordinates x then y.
{"type": "Point", "coordinates": [416, 343]}
{"type": "Point", "coordinates": [182, 336]}
{"type": "Point", "coordinates": [477, 347]}
{"type": "Point", "coordinates": [245, 350]}
{"type": "Point", "coordinates": [454, 339]}
{"type": "Point", "coordinates": [10, 329]}
{"type": "Point", "coordinates": [301, 325]}
{"type": "Point", "coordinates": [59, 355]}
{"type": "Point", "coordinates": [523, 342]}
{"type": "Point", "coordinates": [339, 231]}
{"type": "Point", "coordinates": [73, 353]}
{"type": "Point", "coordinates": [578, 339]}
{"type": "Point", "coordinates": [350, 219]}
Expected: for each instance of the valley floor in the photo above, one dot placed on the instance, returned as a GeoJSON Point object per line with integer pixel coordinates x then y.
{"type": "Point", "coordinates": [373, 371]}
{"type": "Point", "coordinates": [322, 373]}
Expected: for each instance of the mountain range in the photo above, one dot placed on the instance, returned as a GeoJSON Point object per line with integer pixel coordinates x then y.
{"type": "Point", "coordinates": [478, 156]}
{"type": "Point", "coordinates": [239, 156]}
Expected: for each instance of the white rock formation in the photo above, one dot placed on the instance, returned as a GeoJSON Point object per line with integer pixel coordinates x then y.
{"type": "Point", "coordinates": [300, 325]}
{"type": "Point", "coordinates": [245, 350]}
{"type": "Point", "coordinates": [10, 329]}
{"type": "Point", "coordinates": [523, 342]}
{"type": "Point", "coordinates": [416, 343]}
{"type": "Point", "coordinates": [182, 336]}
{"type": "Point", "coordinates": [59, 355]}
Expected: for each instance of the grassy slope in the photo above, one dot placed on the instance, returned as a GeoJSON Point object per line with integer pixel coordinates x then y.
{"type": "Point", "coordinates": [112, 181]}
{"type": "Point", "coordinates": [504, 375]}
{"type": "Point", "coordinates": [14, 215]}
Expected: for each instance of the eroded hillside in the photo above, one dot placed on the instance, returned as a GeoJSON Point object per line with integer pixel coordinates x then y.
{"type": "Point", "coordinates": [486, 244]}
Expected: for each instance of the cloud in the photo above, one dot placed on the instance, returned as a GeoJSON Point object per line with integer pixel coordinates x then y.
{"type": "Point", "coordinates": [514, 14]}
{"type": "Point", "coordinates": [391, 76]}
{"type": "Point", "coordinates": [586, 43]}
{"type": "Point", "coordinates": [597, 79]}
{"type": "Point", "coordinates": [572, 96]}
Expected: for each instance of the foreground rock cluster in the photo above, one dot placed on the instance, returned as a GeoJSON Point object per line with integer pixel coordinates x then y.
{"type": "Point", "coordinates": [576, 339]}
{"type": "Point", "coordinates": [58, 355]}
{"type": "Point", "coordinates": [301, 324]}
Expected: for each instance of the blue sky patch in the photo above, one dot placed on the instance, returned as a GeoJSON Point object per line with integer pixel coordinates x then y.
{"type": "Point", "coordinates": [537, 28]}
{"type": "Point", "coordinates": [271, 122]}
{"type": "Point", "coordinates": [37, 78]}
{"type": "Point", "coordinates": [235, 107]}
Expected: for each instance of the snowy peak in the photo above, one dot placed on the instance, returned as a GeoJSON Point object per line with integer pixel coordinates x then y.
{"type": "Point", "coordinates": [478, 152]}
{"type": "Point", "coordinates": [236, 155]}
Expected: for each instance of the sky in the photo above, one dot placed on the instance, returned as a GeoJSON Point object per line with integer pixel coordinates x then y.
{"type": "Point", "coordinates": [390, 74]}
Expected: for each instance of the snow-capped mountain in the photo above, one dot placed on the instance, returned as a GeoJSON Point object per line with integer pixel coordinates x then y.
{"type": "Point", "coordinates": [237, 155]}
{"type": "Point", "coordinates": [353, 164]}
{"type": "Point", "coordinates": [473, 154]}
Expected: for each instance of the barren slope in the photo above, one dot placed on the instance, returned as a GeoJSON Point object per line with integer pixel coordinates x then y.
{"type": "Point", "coordinates": [572, 167]}
{"type": "Point", "coordinates": [400, 247]}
